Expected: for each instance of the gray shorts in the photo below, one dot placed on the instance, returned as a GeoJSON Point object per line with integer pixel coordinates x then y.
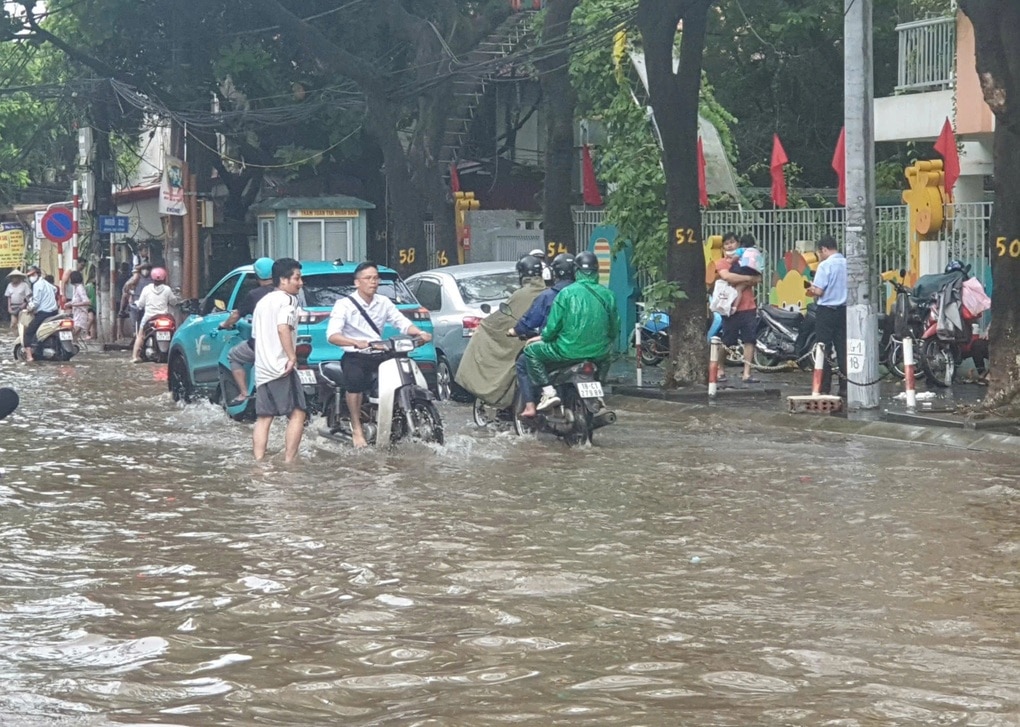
{"type": "Point", "coordinates": [241, 356]}
{"type": "Point", "coordinates": [280, 397]}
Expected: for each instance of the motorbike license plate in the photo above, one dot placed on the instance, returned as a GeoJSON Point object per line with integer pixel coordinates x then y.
{"type": "Point", "coordinates": [306, 376]}
{"type": "Point", "coordinates": [66, 335]}
{"type": "Point", "coordinates": [589, 389]}
{"type": "Point", "coordinates": [162, 335]}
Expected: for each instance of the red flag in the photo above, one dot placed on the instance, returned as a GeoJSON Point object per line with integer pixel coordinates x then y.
{"type": "Point", "coordinates": [839, 166]}
{"type": "Point", "coordinates": [454, 178]}
{"type": "Point", "coordinates": [702, 186]}
{"type": "Point", "coordinates": [946, 146]}
{"type": "Point", "coordinates": [591, 187]}
{"type": "Point", "coordinates": [776, 167]}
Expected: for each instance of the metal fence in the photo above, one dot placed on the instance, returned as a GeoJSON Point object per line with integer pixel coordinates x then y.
{"type": "Point", "coordinates": [964, 236]}
{"type": "Point", "coordinates": [927, 55]}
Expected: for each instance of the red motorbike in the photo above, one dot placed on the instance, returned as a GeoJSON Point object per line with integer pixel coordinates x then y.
{"type": "Point", "coordinates": [950, 335]}
{"type": "Point", "coordinates": [158, 332]}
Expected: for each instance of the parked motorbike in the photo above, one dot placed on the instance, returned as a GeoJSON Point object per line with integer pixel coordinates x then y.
{"type": "Point", "coordinates": [940, 352]}
{"type": "Point", "coordinates": [906, 321]}
{"type": "Point", "coordinates": [226, 393]}
{"type": "Point", "coordinates": [399, 407]}
{"type": "Point", "coordinates": [54, 339]}
{"type": "Point", "coordinates": [654, 336]}
{"type": "Point", "coordinates": [156, 342]}
{"type": "Point", "coordinates": [784, 335]}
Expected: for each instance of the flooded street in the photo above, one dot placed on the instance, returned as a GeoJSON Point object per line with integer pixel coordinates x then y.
{"type": "Point", "coordinates": [683, 570]}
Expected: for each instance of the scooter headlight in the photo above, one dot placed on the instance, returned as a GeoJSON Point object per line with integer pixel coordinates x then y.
{"type": "Point", "coordinates": [403, 345]}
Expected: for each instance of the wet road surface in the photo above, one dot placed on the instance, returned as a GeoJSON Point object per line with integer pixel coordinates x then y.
{"type": "Point", "coordinates": [678, 572]}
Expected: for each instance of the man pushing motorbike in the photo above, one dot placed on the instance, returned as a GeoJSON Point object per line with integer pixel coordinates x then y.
{"type": "Point", "coordinates": [487, 368]}
{"type": "Point", "coordinates": [583, 324]}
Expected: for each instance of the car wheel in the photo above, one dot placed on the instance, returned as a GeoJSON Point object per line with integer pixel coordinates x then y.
{"type": "Point", "coordinates": [444, 379]}
{"type": "Point", "coordinates": [179, 381]}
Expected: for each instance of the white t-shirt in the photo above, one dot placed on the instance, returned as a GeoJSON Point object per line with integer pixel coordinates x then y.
{"type": "Point", "coordinates": [275, 309]}
{"type": "Point", "coordinates": [156, 300]}
{"type": "Point", "coordinates": [19, 294]}
{"type": "Point", "coordinates": [347, 320]}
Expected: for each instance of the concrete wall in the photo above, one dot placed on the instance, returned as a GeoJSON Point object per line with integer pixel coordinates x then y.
{"type": "Point", "coordinates": [503, 235]}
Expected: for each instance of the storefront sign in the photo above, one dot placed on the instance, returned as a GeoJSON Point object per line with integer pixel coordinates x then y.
{"type": "Point", "coordinates": [12, 245]}
{"type": "Point", "coordinates": [322, 213]}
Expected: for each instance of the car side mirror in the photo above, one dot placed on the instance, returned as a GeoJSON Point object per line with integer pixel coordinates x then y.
{"type": "Point", "coordinates": [190, 307]}
{"type": "Point", "coordinates": [486, 308]}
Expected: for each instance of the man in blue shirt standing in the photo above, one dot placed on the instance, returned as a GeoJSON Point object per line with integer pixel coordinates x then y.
{"type": "Point", "coordinates": [829, 288]}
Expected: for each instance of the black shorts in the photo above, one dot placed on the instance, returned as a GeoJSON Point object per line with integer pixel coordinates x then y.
{"type": "Point", "coordinates": [359, 371]}
{"type": "Point", "coordinates": [740, 326]}
{"type": "Point", "coordinates": [280, 397]}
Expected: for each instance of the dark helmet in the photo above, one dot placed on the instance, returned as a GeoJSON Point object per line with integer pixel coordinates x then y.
{"type": "Point", "coordinates": [586, 262]}
{"type": "Point", "coordinates": [954, 266]}
{"type": "Point", "coordinates": [563, 266]}
{"type": "Point", "coordinates": [529, 266]}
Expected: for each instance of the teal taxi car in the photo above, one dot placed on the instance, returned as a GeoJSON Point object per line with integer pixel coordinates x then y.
{"type": "Point", "coordinates": [193, 360]}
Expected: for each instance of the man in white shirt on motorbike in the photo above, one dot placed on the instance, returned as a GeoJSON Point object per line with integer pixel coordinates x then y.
{"type": "Point", "coordinates": [43, 305]}
{"type": "Point", "coordinates": [355, 322]}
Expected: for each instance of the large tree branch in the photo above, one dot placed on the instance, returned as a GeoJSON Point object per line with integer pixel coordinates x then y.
{"type": "Point", "coordinates": [326, 54]}
{"type": "Point", "coordinates": [998, 79]}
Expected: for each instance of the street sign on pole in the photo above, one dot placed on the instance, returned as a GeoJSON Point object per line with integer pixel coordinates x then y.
{"type": "Point", "coordinates": [58, 224]}
{"type": "Point", "coordinates": [113, 223]}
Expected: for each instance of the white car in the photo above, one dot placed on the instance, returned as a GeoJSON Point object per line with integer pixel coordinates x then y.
{"type": "Point", "coordinates": [454, 296]}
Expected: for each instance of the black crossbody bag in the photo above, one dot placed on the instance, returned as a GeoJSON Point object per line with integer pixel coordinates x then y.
{"type": "Point", "coordinates": [365, 316]}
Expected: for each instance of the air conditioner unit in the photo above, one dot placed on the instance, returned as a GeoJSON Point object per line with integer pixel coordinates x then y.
{"type": "Point", "coordinates": [205, 212]}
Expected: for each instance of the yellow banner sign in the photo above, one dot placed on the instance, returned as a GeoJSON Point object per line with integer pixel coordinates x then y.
{"type": "Point", "coordinates": [322, 213]}
{"type": "Point", "coordinates": [12, 245]}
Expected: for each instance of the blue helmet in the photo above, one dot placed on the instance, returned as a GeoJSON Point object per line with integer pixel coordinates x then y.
{"type": "Point", "coordinates": [264, 268]}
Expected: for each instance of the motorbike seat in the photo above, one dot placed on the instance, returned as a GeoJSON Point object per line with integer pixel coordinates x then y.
{"type": "Point", "coordinates": [782, 314]}
{"type": "Point", "coordinates": [333, 371]}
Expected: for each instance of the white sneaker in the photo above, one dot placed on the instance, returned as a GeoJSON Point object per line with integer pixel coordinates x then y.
{"type": "Point", "coordinates": [548, 402]}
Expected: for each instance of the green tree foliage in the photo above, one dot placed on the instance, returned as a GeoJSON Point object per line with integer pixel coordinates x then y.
{"type": "Point", "coordinates": [777, 65]}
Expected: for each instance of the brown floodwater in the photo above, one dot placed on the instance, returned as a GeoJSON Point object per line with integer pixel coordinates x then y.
{"type": "Point", "coordinates": [686, 569]}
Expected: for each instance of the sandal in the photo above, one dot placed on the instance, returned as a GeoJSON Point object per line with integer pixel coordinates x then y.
{"type": "Point", "coordinates": [239, 400]}
{"type": "Point", "coordinates": [751, 380]}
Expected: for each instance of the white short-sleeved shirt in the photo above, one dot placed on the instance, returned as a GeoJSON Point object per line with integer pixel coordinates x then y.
{"type": "Point", "coordinates": [347, 320]}
{"type": "Point", "coordinates": [275, 309]}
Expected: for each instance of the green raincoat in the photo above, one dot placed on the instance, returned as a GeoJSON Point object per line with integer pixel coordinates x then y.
{"type": "Point", "coordinates": [487, 368]}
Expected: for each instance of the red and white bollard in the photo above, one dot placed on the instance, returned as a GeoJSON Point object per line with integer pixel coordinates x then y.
{"type": "Point", "coordinates": [713, 365]}
{"type": "Point", "coordinates": [637, 350]}
{"type": "Point", "coordinates": [908, 372]}
{"type": "Point", "coordinates": [819, 373]}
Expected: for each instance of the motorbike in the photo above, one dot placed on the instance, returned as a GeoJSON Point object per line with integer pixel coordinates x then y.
{"type": "Point", "coordinates": [654, 336]}
{"type": "Point", "coordinates": [227, 393]}
{"type": "Point", "coordinates": [940, 351]}
{"type": "Point", "coordinates": [54, 339]}
{"type": "Point", "coordinates": [581, 411]}
{"type": "Point", "coordinates": [784, 335]}
{"type": "Point", "coordinates": [399, 407]}
{"type": "Point", "coordinates": [156, 342]}
{"type": "Point", "coordinates": [906, 321]}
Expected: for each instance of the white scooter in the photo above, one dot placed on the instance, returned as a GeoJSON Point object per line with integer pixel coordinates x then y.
{"type": "Point", "coordinates": [54, 339]}
{"type": "Point", "coordinates": [400, 405]}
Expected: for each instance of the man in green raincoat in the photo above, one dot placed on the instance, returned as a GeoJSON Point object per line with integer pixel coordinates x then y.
{"type": "Point", "coordinates": [487, 368]}
{"type": "Point", "coordinates": [583, 325]}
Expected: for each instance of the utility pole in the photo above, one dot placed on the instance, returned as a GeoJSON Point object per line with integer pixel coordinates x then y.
{"type": "Point", "coordinates": [862, 280]}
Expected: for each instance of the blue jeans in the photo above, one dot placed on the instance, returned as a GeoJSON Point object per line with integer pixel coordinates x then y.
{"type": "Point", "coordinates": [524, 382]}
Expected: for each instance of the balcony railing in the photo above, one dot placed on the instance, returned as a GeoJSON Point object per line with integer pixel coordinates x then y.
{"type": "Point", "coordinates": [927, 58]}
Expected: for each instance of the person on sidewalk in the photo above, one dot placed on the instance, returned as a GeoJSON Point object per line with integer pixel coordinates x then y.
{"type": "Point", "coordinates": [242, 356]}
{"type": "Point", "coordinates": [18, 292]}
{"type": "Point", "coordinates": [829, 289]}
{"type": "Point", "coordinates": [278, 391]}
{"type": "Point", "coordinates": [741, 325]}
{"type": "Point", "coordinates": [583, 325]}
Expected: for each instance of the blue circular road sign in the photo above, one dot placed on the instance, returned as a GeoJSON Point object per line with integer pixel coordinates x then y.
{"type": "Point", "coordinates": [57, 224]}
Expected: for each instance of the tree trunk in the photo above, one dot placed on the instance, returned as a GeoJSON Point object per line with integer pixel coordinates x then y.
{"type": "Point", "coordinates": [997, 38]}
{"type": "Point", "coordinates": [674, 100]}
{"type": "Point", "coordinates": [560, 102]}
